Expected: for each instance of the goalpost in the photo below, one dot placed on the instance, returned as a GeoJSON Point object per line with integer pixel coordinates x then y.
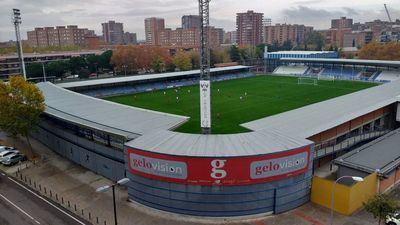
{"type": "Point", "coordinates": [307, 80]}
{"type": "Point", "coordinates": [326, 77]}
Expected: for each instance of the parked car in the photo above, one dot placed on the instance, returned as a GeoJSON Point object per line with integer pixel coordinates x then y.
{"type": "Point", "coordinates": [6, 153]}
{"type": "Point", "coordinates": [12, 159]}
{"type": "Point", "coordinates": [4, 148]}
{"type": "Point", "coordinates": [395, 220]}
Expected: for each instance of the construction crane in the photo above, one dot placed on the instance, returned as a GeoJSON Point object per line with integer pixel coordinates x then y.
{"type": "Point", "coordinates": [388, 14]}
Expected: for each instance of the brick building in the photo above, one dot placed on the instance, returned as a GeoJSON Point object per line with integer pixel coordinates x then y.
{"type": "Point", "coordinates": [249, 28]}
{"type": "Point", "coordinates": [191, 21]}
{"type": "Point", "coordinates": [286, 32]}
{"type": "Point", "coordinates": [189, 38]}
{"type": "Point", "coordinates": [113, 32]}
{"type": "Point", "coordinates": [130, 38]}
{"type": "Point", "coordinates": [153, 26]}
{"type": "Point", "coordinates": [59, 36]}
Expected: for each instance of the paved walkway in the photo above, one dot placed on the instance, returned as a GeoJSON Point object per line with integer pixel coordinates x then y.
{"type": "Point", "coordinates": [71, 185]}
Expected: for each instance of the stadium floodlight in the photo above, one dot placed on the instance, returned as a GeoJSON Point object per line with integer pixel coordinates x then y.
{"type": "Point", "coordinates": [16, 20]}
{"type": "Point", "coordinates": [205, 81]}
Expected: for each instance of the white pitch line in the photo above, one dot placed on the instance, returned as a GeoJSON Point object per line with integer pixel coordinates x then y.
{"type": "Point", "coordinates": [30, 217]}
{"type": "Point", "coordinates": [59, 209]}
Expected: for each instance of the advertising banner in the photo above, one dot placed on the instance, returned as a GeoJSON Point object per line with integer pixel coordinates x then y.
{"type": "Point", "coordinates": [219, 171]}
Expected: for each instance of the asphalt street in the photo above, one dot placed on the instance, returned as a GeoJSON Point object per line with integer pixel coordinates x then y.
{"type": "Point", "coordinates": [21, 206]}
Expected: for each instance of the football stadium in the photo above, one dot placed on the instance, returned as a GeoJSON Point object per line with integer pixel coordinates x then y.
{"type": "Point", "coordinates": [269, 134]}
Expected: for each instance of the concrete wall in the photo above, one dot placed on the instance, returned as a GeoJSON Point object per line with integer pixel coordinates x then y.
{"type": "Point", "coordinates": [347, 199]}
{"type": "Point", "coordinates": [273, 197]}
{"type": "Point", "coordinates": [98, 158]}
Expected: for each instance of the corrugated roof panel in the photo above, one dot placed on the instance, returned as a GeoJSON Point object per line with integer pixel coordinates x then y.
{"type": "Point", "coordinates": [313, 119]}
{"type": "Point", "coordinates": [116, 80]}
{"type": "Point", "coordinates": [105, 115]}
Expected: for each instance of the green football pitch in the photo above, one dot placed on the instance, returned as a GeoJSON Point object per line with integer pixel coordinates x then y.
{"type": "Point", "coordinates": [238, 101]}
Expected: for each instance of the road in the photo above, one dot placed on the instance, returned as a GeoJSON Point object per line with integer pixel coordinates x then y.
{"type": "Point", "coordinates": [19, 205]}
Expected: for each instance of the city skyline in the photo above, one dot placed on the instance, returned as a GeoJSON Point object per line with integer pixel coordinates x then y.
{"type": "Point", "coordinates": [223, 13]}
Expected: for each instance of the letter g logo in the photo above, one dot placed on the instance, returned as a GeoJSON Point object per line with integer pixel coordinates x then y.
{"type": "Point", "coordinates": [217, 172]}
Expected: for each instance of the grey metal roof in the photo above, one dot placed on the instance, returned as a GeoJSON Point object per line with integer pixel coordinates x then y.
{"type": "Point", "coordinates": [382, 154]}
{"type": "Point", "coordinates": [301, 52]}
{"type": "Point", "coordinates": [103, 115]}
{"type": "Point", "coordinates": [316, 118]}
{"type": "Point", "coordinates": [229, 145]}
{"type": "Point", "coordinates": [363, 62]}
{"type": "Point", "coordinates": [105, 81]}
{"type": "Point", "coordinates": [40, 55]}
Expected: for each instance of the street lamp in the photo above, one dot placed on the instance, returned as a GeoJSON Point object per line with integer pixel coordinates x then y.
{"type": "Point", "coordinates": [107, 187]}
{"type": "Point", "coordinates": [357, 179]}
{"type": "Point", "coordinates": [125, 66]}
{"type": "Point", "coordinates": [43, 70]}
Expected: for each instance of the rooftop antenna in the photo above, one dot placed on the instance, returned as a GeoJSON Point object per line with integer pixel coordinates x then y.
{"type": "Point", "coordinates": [205, 81]}
{"type": "Point", "coordinates": [16, 20]}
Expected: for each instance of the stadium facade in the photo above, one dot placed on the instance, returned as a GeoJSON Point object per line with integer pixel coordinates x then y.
{"type": "Point", "coordinates": [267, 170]}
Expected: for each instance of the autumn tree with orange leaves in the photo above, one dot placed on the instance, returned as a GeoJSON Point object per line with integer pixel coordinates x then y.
{"type": "Point", "coordinates": [141, 58]}
{"type": "Point", "coordinates": [375, 50]}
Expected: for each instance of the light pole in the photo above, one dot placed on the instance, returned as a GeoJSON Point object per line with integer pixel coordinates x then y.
{"type": "Point", "coordinates": [125, 66]}
{"type": "Point", "coordinates": [44, 71]}
{"type": "Point", "coordinates": [16, 20]}
{"type": "Point", "coordinates": [107, 187]}
{"type": "Point", "coordinates": [357, 179]}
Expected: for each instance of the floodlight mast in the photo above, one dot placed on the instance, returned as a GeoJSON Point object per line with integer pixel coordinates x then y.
{"type": "Point", "coordinates": [16, 20]}
{"type": "Point", "coordinates": [205, 81]}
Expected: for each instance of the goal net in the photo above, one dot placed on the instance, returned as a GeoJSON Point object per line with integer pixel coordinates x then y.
{"type": "Point", "coordinates": [307, 80]}
{"type": "Point", "coordinates": [326, 77]}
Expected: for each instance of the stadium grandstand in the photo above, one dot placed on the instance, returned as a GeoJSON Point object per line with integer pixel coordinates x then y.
{"type": "Point", "coordinates": [343, 69]}
{"type": "Point", "coordinates": [151, 82]}
{"type": "Point", "coordinates": [266, 170]}
{"type": "Point", "coordinates": [272, 59]}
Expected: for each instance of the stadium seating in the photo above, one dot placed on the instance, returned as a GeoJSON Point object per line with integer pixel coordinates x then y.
{"type": "Point", "coordinates": [291, 70]}
{"type": "Point", "coordinates": [344, 73]}
{"type": "Point", "coordinates": [161, 85]}
{"type": "Point", "coordinates": [387, 76]}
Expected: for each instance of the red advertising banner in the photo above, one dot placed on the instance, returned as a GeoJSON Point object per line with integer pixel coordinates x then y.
{"type": "Point", "coordinates": [219, 171]}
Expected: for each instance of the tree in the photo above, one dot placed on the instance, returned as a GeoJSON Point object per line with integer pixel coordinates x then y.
{"type": "Point", "coordinates": [260, 49]}
{"type": "Point", "coordinates": [94, 63]}
{"type": "Point", "coordinates": [287, 45]}
{"type": "Point", "coordinates": [34, 70]}
{"type": "Point", "coordinates": [57, 68]}
{"type": "Point", "coordinates": [83, 73]}
{"type": "Point", "coordinates": [314, 41]}
{"type": "Point", "coordinates": [21, 104]}
{"type": "Point", "coordinates": [139, 58]}
{"type": "Point", "coordinates": [221, 55]}
{"type": "Point", "coordinates": [381, 207]}
{"type": "Point", "coordinates": [195, 59]}
{"type": "Point", "coordinates": [182, 61]}
{"type": "Point", "coordinates": [387, 51]}
{"type": "Point", "coordinates": [76, 63]}
{"type": "Point", "coordinates": [158, 65]}
{"type": "Point", "coordinates": [105, 60]}
{"type": "Point", "coordinates": [234, 53]}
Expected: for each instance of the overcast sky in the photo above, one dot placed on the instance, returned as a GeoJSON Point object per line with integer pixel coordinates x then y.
{"type": "Point", "coordinates": [91, 13]}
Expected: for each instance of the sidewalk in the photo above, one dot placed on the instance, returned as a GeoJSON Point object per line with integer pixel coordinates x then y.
{"type": "Point", "coordinates": [76, 184]}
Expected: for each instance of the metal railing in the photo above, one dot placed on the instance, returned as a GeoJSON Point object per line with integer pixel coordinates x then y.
{"type": "Point", "coordinates": [330, 147]}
